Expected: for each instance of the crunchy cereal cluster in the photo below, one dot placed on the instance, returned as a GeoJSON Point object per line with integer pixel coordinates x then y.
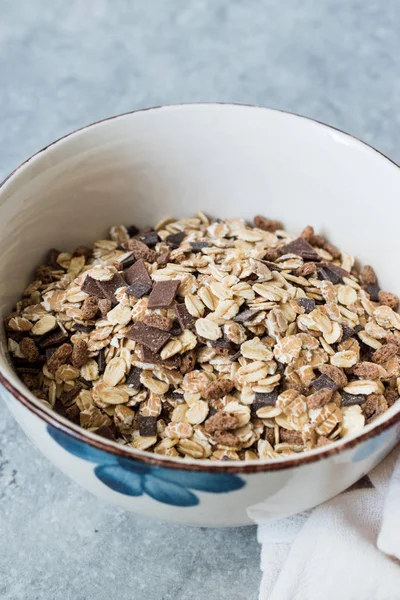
{"type": "Point", "coordinates": [209, 339]}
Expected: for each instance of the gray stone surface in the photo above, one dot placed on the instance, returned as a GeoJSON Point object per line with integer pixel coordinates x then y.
{"type": "Point", "coordinates": [64, 64]}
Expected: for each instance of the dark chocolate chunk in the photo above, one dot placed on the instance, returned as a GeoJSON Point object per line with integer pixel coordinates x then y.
{"type": "Point", "coordinates": [53, 338]}
{"type": "Point", "coordinates": [68, 397]}
{"type": "Point", "coordinates": [300, 247]}
{"type": "Point", "coordinates": [262, 400]}
{"type": "Point", "coordinates": [133, 379]}
{"type": "Point", "coordinates": [101, 360]}
{"type": "Point", "coordinates": [137, 273]}
{"type": "Point", "coordinates": [110, 287]}
{"type": "Point", "coordinates": [373, 291]}
{"type": "Point", "coordinates": [175, 239]}
{"type": "Point", "coordinates": [128, 261]}
{"type": "Point", "coordinates": [72, 413]}
{"type": "Point", "coordinates": [271, 265]}
{"type": "Point", "coordinates": [91, 287]}
{"type": "Point", "coordinates": [163, 293]}
{"type": "Point", "coordinates": [234, 357]}
{"type": "Point", "coordinates": [162, 259]}
{"type": "Point", "coordinates": [222, 343]}
{"type": "Point", "coordinates": [186, 320]}
{"type": "Point", "coordinates": [87, 384]}
{"type": "Point", "coordinates": [51, 259]}
{"type": "Point", "coordinates": [154, 358]}
{"type": "Point", "coordinates": [246, 315]}
{"type": "Point", "coordinates": [326, 273]}
{"type": "Point", "coordinates": [82, 328]}
{"type": "Point", "coordinates": [147, 426]}
{"type": "Point", "coordinates": [50, 351]}
{"type": "Point", "coordinates": [176, 329]}
{"type": "Point", "coordinates": [132, 230]}
{"type": "Point", "coordinates": [348, 332]}
{"type": "Point", "coordinates": [323, 381]}
{"type": "Point", "coordinates": [150, 238]}
{"type": "Point", "coordinates": [150, 337]}
{"type": "Point", "coordinates": [175, 395]}
{"type": "Point", "coordinates": [25, 368]}
{"type": "Point", "coordinates": [84, 251]}
{"type": "Point", "coordinates": [307, 303]}
{"type": "Point", "coordinates": [138, 289]}
{"type": "Point", "coordinates": [105, 432]}
{"type": "Point", "coordinates": [338, 270]}
{"type": "Point", "coordinates": [198, 246]}
{"type": "Point", "coordinates": [351, 399]}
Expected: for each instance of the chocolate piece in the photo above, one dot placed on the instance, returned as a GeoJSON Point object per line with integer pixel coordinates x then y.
{"type": "Point", "coordinates": [176, 329]}
{"type": "Point", "coordinates": [222, 342]}
{"type": "Point", "coordinates": [72, 413]}
{"type": "Point", "coordinates": [262, 400]}
{"type": "Point", "coordinates": [105, 432]}
{"type": "Point", "coordinates": [132, 230]}
{"type": "Point", "coordinates": [110, 287]}
{"type": "Point", "coordinates": [159, 321]}
{"type": "Point", "coordinates": [234, 357]}
{"type": "Point", "coordinates": [163, 293]}
{"type": "Point", "coordinates": [147, 426]}
{"type": "Point", "coordinates": [27, 368]}
{"type": "Point", "coordinates": [150, 337]}
{"type": "Point", "coordinates": [133, 378]}
{"type": "Point", "coordinates": [149, 238]}
{"type": "Point", "coordinates": [68, 397]}
{"type": "Point", "coordinates": [87, 384]}
{"type": "Point", "coordinates": [348, 332]}
{"type": "Point", "coordinates": [51, 259]}
{"type": "Point", "coordinates": [352, 399]}
{"type": "Point", "coordinates": [138, 289]}
{"type": "Point", "coordinates": [91, 287]}
{"type": "Point", "coordinates": [373, 290]}
{"type": "Point", "coordinates": [338, 270]}
{"type": "Point", "coordinates": [162, 259]}
{"type": "Point", "coordinates": [128, 261]}
{"type": "Point", "coordinates": [50, 351]}
{"type": "Point", "coordinates": [271, 265]}
{"type": "Point", "coordinates": [175, 395]}
{"type": "Point", "coordinates": [137, 273]}
{"type": "Point", "coordinates": [246, 315]}
{"type": "Point", "coordinates": [83, 328]}
{"type": "Point", "coordinates": [101, 360]}
{"type": "Point", "coordinates": [300, 247]}
{"type": "Point", "coordinates": [326, 273]}
{"type": "Point", "coordinates": [307, 303]}
{"type": "Point", "coordinates": [53, 338]}
{"type": "Point", "coordinates": [154, 358]}
{"type": "Point", "coordinates": [198, 246]}
{"type": "Point", "coordinates": [323, 381]}
{"type": "Point", "coordinates": [175, 239]}
{"type": "Point", "coordinates": [186, 320]}
{"type": "Point", "coordinates": [84, 251]}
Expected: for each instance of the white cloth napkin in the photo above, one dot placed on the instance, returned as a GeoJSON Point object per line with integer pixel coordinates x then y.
{"type": "Point", "coordinates": [347, 548]}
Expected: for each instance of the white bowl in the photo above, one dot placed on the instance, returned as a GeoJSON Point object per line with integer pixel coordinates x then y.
{"type": "Point", "coordinates": [229, 161]}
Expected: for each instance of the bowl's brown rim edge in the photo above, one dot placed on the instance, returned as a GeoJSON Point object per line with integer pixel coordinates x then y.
{"type": "Point", "coordinates": [152, 459]}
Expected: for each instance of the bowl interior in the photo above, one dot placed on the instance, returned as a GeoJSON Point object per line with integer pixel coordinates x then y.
{"type": "Point", "coordinates": [226, 160]}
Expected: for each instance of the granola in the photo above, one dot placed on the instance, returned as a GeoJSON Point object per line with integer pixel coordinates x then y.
{"type": "Point", "coordinates": [209, 339]}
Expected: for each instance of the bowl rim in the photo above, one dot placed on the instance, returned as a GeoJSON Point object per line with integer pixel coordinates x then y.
{"type": "Point", "coordinates": [105, 445]}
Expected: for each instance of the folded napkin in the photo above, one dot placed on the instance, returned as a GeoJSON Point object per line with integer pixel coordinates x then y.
{"type": "Point", "coordinates": [347, 548]}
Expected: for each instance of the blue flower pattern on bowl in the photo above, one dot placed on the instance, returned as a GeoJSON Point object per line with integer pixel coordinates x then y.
{"type": "Point", "coordinates": [372, 446]}
{"type": "Point", "coordinates": [132, 478]}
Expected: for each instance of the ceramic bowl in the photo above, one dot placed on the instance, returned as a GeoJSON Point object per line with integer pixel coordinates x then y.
{"type": "Point", "coordinates": [229, 161]}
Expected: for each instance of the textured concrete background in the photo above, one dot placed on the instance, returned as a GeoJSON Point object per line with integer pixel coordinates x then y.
{"type": "Point", "coordinates": [64, 64]}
